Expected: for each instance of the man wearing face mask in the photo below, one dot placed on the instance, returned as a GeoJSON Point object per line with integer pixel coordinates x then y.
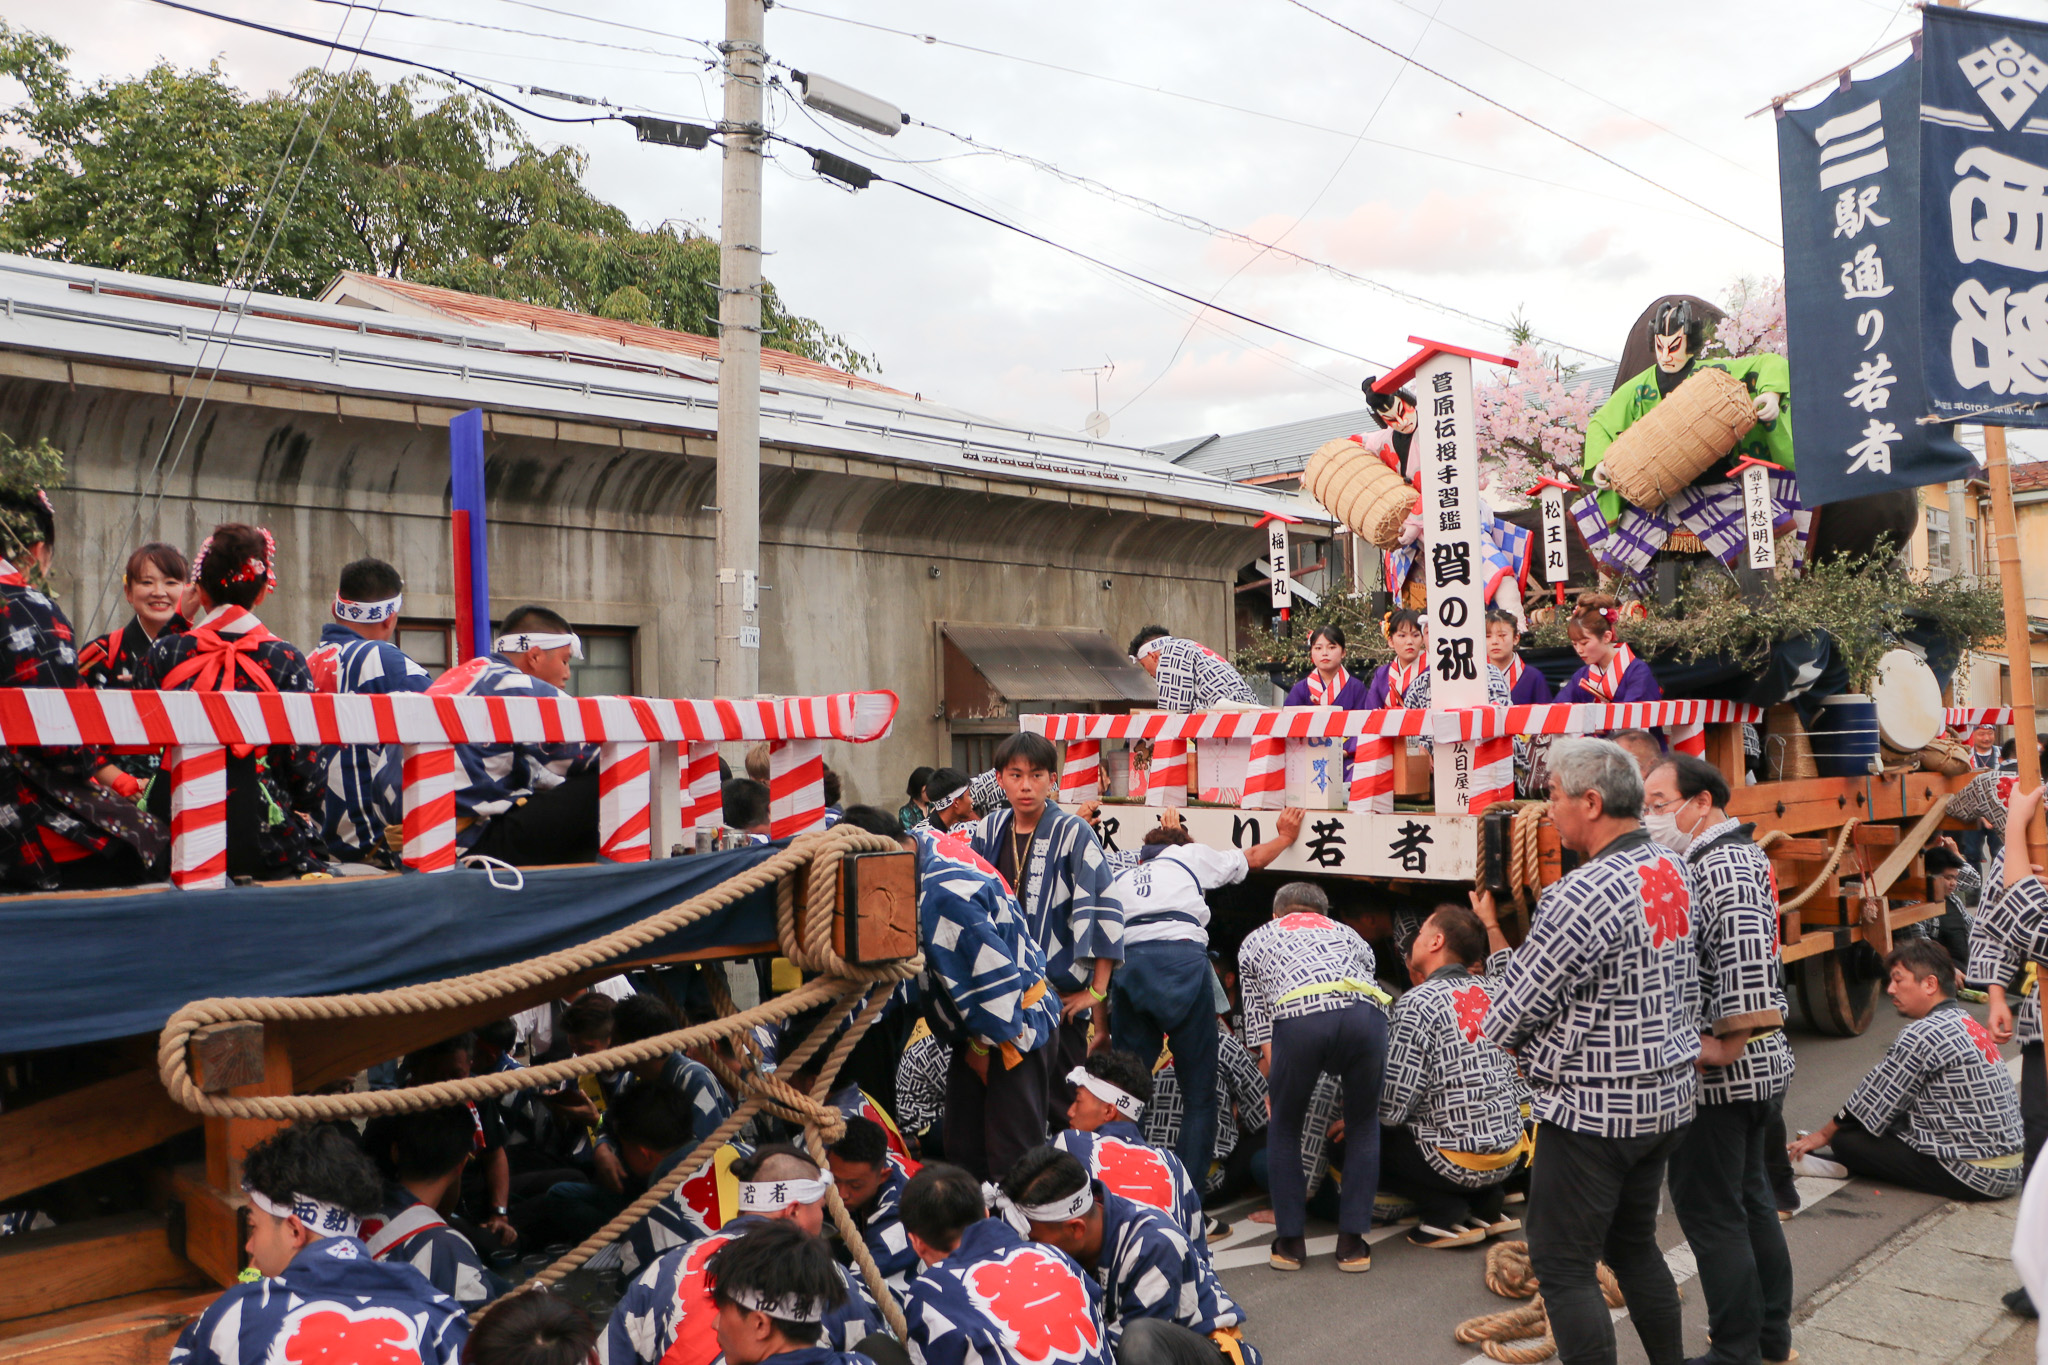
{"type": "Point", "coordinates": [1719, 1186]}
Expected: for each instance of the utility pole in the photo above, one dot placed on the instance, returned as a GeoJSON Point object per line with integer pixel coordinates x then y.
{"type": "Point", "coordinates": [738, 546]}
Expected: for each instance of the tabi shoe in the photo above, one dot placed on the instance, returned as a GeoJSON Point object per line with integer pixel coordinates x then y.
{"type": "Point", "coordinates": [1214, 1229]}
{"type": "Point", "coordinates": [1353, 1255]}
{"type": "Point", "coordinates": [1436, 1238]}
{"type": "Point", "coordinates": [1820, 1166]}
{"type": "Point", "coordinates": [1287, 1253]}
{"type": "Point", "coordinates": [2020, 1302]}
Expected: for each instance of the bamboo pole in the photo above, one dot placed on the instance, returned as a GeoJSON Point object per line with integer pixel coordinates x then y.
{"type": "Point", "coordinates": [2019, 645]}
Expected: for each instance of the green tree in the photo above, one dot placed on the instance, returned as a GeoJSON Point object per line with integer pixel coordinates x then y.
{"type": "Point", "coordinates": [165, 173]}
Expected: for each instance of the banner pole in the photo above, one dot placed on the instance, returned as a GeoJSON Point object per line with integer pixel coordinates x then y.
{"type": "Point", "coordinates": [2019, 647]}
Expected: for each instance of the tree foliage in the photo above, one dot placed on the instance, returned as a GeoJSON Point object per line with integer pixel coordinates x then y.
{"type": "Point", "coordinates": [166, 173]}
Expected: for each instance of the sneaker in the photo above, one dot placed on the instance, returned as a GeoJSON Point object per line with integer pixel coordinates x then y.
{"type": "Point", "coordinates": [1353, 1255]}
{"type": "Point", "coordinates": [1287, 1253]}
{"type": "Point", "coordinates": [1214, 1228]}
{"type": "Point", "coordinates": [2020, 1302]}
{"type": "Point", "coordinates": [1436, 1238]}
{"type": "Point", "coordinates": [1820, 1166]}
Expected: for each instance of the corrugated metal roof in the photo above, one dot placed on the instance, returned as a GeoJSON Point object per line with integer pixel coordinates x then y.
{"type": "Point", "coordinates": [1025, 664]}
{"type": "Point", "coordinates": [106, 316]}
{"type": "Point", "coordinates": [453, 303]}
{"type": "Point", "coordinates": [1282, 449]}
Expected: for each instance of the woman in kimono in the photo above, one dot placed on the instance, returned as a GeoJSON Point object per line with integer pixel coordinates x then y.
{"type": "Point", "coordinates": [1526, 686]}
{"type": "Point", "coordinates": [275, 795]}
{"type": "Point", "coordinates": [1391, 681]}
{"type": "Point", "coordinates": [154, 584]}
{"type": "Point", "coordinates": [1612, 673]}
{"type": "Point", "coordinates": [1328, 683]}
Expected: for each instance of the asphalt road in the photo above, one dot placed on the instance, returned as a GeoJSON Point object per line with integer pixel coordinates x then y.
{"type": "Point", "coordinates": [1407, 1306]}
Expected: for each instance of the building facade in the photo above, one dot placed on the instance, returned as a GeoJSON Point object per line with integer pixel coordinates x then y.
{"type": "Point", "coordinates": [886, 520]}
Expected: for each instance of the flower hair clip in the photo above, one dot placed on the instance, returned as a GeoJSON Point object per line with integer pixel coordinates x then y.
{"type": "Point", "coordinates": [249, 572]}
{"type": "Point", "coordinates": [199, 559]}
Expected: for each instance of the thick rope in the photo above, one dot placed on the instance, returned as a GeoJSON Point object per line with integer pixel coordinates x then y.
{"type": "Point", "coordinates": [1834, 861]}
{"type": "Point", "coordinates": [481, 987]}
{"type": "Point", "coordinates": [1525, 860]}
{"type": "Point", "coordinates": [1521, 1336]}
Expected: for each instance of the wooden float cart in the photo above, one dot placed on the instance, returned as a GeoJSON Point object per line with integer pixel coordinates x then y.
{"type": "Point", "coordinates": [117, 1289]}
{"type": "Point", "coordinates": [1250, 763]}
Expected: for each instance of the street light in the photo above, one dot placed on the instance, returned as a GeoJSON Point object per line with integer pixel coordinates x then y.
{"type": "Point", "coordinates": [849, 105]}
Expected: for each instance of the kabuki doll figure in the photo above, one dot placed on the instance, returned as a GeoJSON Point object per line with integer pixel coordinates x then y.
{"type": "Point", "coordinates": [1506, 544]}
{"type": "Point", "coordinates": [1706, 516]}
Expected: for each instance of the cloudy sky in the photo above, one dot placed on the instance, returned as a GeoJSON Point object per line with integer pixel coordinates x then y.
{"type": "Point", "coordinates": [1254, 117]}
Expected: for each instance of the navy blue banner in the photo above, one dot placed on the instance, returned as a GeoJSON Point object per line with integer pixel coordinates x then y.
{"type": "Point", "coordinates": [1984, 217]}
{"type": "Point", "coordinates": [1848, 176]}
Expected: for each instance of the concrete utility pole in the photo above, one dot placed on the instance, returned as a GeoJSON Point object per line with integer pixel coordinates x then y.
{"type": "Point", "coordinates": [738, 547]}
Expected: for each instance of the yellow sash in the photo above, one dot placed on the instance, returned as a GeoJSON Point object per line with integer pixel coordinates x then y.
{"type": "Point", "coordinates": [2010, 1162]}
{"type": "Point", "coordinates": [1011, 1054]}
{"type": "Point", "coordinates": [1350, 985]}
{"type": "Point", "coordinates": [1491, 1161]}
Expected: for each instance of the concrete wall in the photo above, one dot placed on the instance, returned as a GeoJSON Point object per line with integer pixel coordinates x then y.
{"type": "Point", "coordinates": [614, 535]}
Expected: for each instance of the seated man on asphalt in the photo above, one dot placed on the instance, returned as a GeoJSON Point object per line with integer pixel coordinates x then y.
{"type": "Point", "coordinates": [1939, 1111]}
{"type": "Point", "coordinates": [1111, 1090]}
{"type": "Point", "coordinates": [1451, 1103]}
{"type": "Point", "coordinates": [1161, 1302]}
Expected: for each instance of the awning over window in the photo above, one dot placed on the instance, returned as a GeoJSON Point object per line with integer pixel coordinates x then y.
{"type": "Point", "coordinates": [988, 668]}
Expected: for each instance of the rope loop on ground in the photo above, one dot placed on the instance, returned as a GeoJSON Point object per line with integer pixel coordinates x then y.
{"type": "Point", "coordinates": [1520, 1336]}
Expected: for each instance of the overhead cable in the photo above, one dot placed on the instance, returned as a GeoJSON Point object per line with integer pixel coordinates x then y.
{"type": "Point", "coordinates": [550, 37]}
{"type": "Point", "coordinates": [1346, 134]}
{"type": "Point", "coordinates": [338, 46]}
{"type": "Point", "coordinates": [1510, 110]}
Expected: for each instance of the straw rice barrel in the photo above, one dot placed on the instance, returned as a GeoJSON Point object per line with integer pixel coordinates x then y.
{"type": "Point", "coordinates": [1358, 489]}
{"type": "Point", "coordinates": [1680, 439]}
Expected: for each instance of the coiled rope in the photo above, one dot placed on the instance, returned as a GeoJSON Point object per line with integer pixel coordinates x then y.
{"type": "Point", "coordinates": [1834, 861]}
{"type": "Point", "coordinates": [840, 985]}
{"type": "Point", "coordinates": [1520, 1336]}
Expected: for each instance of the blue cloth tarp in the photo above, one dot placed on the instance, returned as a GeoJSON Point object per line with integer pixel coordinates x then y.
{"type": "Point", "coordinates": [85, 969]}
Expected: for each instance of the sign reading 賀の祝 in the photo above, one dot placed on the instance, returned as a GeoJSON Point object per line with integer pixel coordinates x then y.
{"type": "Point", "coordinates": [1983, 109]}
{"type": "Point", "coordinates": [1848, 182]}
{"type": "Point", "coordinates": [1454, 563]}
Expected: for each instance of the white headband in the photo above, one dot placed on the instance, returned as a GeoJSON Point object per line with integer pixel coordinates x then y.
{"type": "Point", "coordinates": [1127, 1104]}
{"type": "Point", "coordinates": [772, 1196]}
{"type": "Point", "coordinates": [949, 799]}
{"type": "Point", "coordinates": [1151, 647]}
{"type": "Point", "coordinates": [321, 1218]}
{"type": "Point", "coordinates": [787, 1308]}
{"type": "Point", "coordinates": [367, 613]}
{"type": "Point", "coordinates": [525, 640]}
{"type": "Point", "coordinates": [1061, 1210]}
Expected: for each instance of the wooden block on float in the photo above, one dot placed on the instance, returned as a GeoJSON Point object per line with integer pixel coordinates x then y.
{"type": "Point", "coordinates": [876, 919]}
{"type": "Point", "coordinates": [216, 1224]}
{"type": "Point", "coordinates": [96, 1258]}
{"type": "Point", "coordinates": [227, 1055]}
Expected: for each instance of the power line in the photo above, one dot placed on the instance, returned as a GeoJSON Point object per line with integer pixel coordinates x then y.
{"type": "Point", "coordinates": [1455, 83]}
{"type": "Point", "coordinates": [339, 46]}
{"type": "Point", "coordinates": [227, 293]}
{"type": "Point", "coordinates": [1433, 155]}
{"type": "Point", "coordinates": [530, 33]}
{"type": "Point", "coordinates": [1099, 262]}
{"type": "Point", "coordinates": [1120, 280]}
{"type": "Point", "coordinates": [1572, 84]}
{"type": "Point", "coordinates": [1181, 218]}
